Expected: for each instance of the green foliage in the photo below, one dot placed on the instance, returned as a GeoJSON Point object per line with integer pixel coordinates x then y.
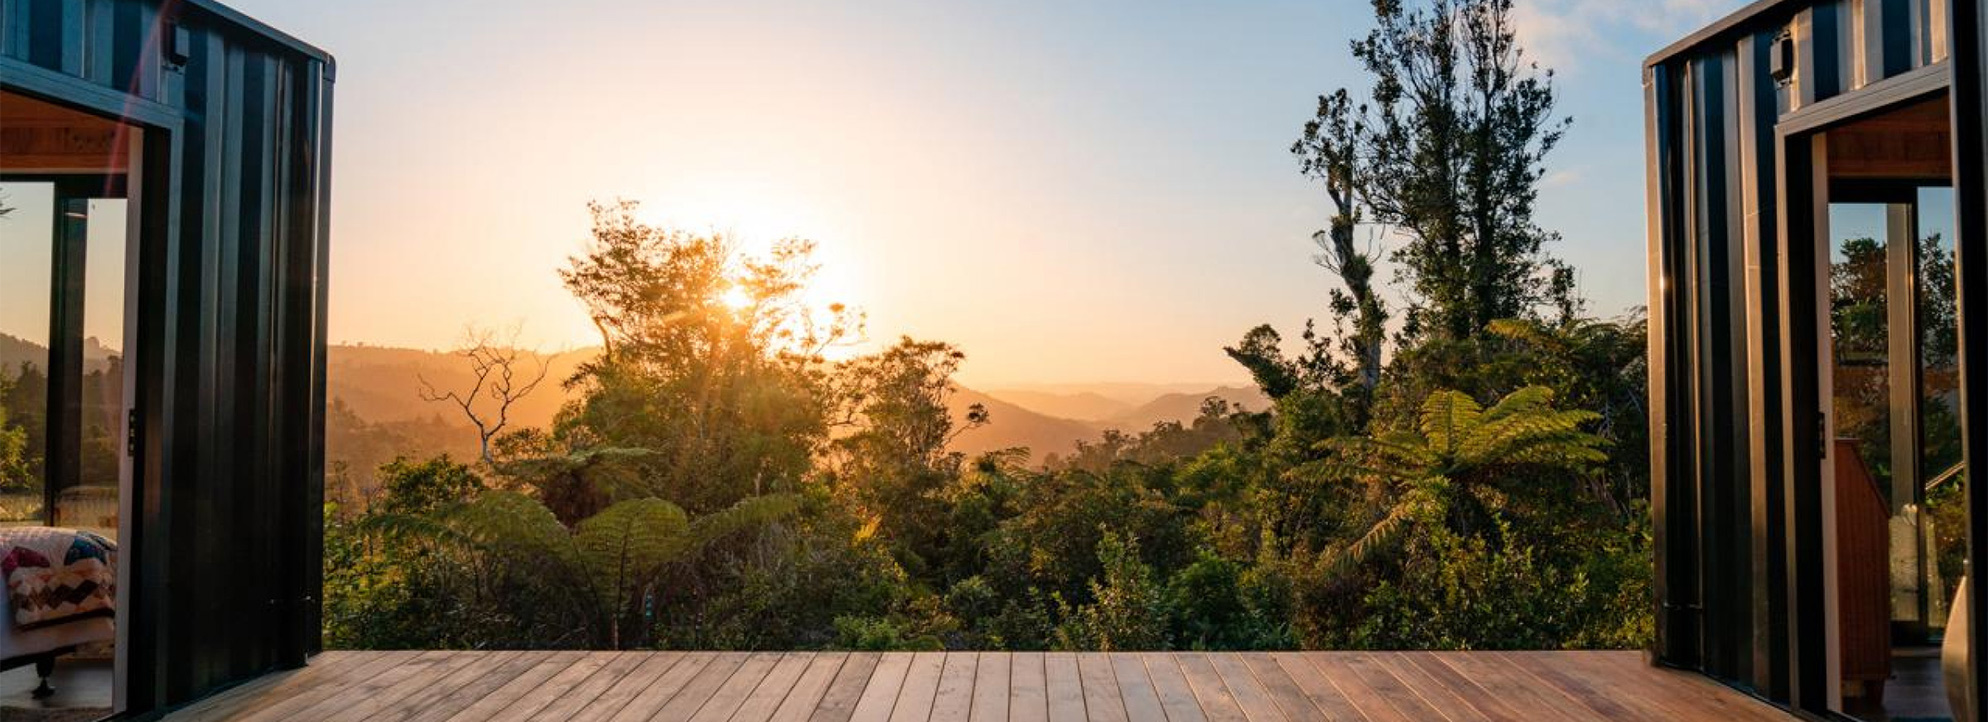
{"type": "Point", "coordinates": [14, 469]}
{"type": "Point", "coordinates": [414, 487]}
{"type": "Point", "coordinates": [717, 482]}
{"type": "Point", "coordinates": [1127, 610]}
{"type": "Point", "coordinates": [1448, 469]}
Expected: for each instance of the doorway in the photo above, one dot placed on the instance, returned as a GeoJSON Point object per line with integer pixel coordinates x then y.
{"type": "Point", "coordinates": [1893, 484]}
{"type": "Point", "coordinates": [67, 202]}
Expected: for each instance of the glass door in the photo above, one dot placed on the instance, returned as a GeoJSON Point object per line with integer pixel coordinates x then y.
{"type": "Point", "coordinates": [62, 341]}
{"type": "Point", "coordinates": [1893, 508]}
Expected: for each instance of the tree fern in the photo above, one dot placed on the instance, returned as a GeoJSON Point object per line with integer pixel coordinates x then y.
{"type": "Point", "coordinates": [1456, 452]}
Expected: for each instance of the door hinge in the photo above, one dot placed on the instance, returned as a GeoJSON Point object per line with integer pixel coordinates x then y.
{"type": "Point", "coordinates": [131, 432]}
{"type": "Point", "coordinates": [1822, 440]}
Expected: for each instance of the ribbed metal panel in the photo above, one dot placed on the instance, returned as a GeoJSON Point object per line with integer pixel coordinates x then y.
{"type": "Point", "coordinates": [225, 546]}
{"type": "Point", "coordinates": [1736, 429]}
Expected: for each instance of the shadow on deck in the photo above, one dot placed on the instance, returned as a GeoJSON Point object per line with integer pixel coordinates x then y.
{"type": "Point", "coordinates": [968, 686]}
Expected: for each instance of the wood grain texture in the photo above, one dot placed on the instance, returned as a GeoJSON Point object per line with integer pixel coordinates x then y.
{"type": "Point", "coordinates": [1028, 699]}
{"type": "Point", "coordinates": [982, 687]}
{"type": "Point", "coordinates": [990, 687]}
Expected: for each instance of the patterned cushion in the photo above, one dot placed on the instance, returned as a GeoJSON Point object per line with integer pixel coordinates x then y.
{"type": "Point", "coordinates": [42, 592]}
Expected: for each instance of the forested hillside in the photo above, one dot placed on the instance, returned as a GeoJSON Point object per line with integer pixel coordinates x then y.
{"type": "Point", "coordinates": [1451, 454]}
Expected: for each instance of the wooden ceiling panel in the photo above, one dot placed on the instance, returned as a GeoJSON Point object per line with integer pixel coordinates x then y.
{"type": "Point", "coordinates": [41, 137]}
{"type": "Point", "coordinates": [1913, 143]}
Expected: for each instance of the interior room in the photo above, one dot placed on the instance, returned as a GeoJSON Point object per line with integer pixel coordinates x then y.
{"type": "Point", "coordinates": [1899, 516]}
{"type": "Point", "coordinates": [65, 233]}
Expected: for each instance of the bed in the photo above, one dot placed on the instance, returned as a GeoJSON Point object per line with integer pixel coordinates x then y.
{"type": "Point", "coordinates": [60, 595]}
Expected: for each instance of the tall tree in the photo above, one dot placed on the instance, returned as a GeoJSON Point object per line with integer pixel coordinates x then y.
{"type": "Point", "coordinates": [712, 361]}
{"type": "Point", "coordinates": [1329, 152]}
{"type": "Point", "coordinates": [1449, 154]}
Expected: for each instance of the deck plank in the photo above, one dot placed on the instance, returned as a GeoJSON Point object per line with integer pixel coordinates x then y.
{"type": "Point", "coordinates": [651, 699]}
{"type": "Point", "coordinates": [1028, 693]}
{"type": "Point", "coordinates": [274, 707]}
{"type": "Point", "coordinates": [630, 686]}
{"type": "Point", "coordinates": [954, 700]}
{"type": "Point", "coordinates": [378, 684]}
{"type": "Point", "coordinates": [1243, 685]}
{"type": "Point", "coordinates": [382, 701]}
{"type": "Point", "coordinates": [881, 694]}
{"type": "Point", "coordinates": [1103, 701]}
{"type": "Point", "coordinates": [1336, 669]}
{"type": "Point", "coordinates": [1425, 667]}
{"type": "Point", "coordinates": [1692, 694]}
{"type": "Point", "coordinates": [1176, 695]}
{"type": "Point", "coordinates": [472, 692]}
{"type": "Point", "coordinates": [323, 669]}
{"type": "Point", "coordinates": [1578, 689]}
{"type": "Point", "coordinates": [808, 691]}
{"type": "Point", "coordinates": [1454, 703]}
{"type": "Point", "coordinates": [550, 691]}
{"type": "Point", "coordinates": [1065, 687]}
{"type": "Point", "coordinates": [702, 687]}
{"type": "Point", "coordinates": [1214, 697]}
{"type": "Point", "coordinates": [733, 692]}
{"type": "Point", "coordinates": [838, 703]}
{"type": "Point", "coordinates": [478, 666]}
{"type": "Point", "coordinates": [1282, 690]}
{"type": "Point", "coordinates": [495, 700]}
{"type": "Point", "coordinates": [773, 689]}
{"type": "Point", "coordinates": [921, 685]}
{"type": "Point", "coordinates": [990, 687]}
{"type": "Point", "coordinates": [1135, 687]}
{"type": "Point", "coordinates": [1533, 700]}
{"type": "Point", "coordinates": [460, 686]}
{"type": "Point", "coordinates": [1332, 703]}
{"type": "Point", "coordinates": [577, 697]}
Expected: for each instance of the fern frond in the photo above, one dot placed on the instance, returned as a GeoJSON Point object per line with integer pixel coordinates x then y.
{"type": "Point", "coordinates": [1377, 536]}
{"type": "Point", "coordinates": [1447, 416]}
{"type": "Point", "coordinates": [509, 521]}
{"type": "Point", "coordinates": [629, 542]}
{"type": "Point", "coordinates": [749, 513]}
{"type": "Point", "coordinates": [418, 527]}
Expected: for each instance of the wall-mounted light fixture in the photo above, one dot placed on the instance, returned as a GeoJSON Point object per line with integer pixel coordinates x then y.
{"type": "Point", "coordinates": [1781, 62]}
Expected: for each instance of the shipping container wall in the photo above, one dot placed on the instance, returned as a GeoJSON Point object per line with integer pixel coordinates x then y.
{"type": "Point", "coordinates": [1736, 421]}
{"type": "Point", "coordinates": [224, 543]}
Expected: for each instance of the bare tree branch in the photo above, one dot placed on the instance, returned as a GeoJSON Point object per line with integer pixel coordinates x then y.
{"type": "Point", "coordinates": [495, 370]}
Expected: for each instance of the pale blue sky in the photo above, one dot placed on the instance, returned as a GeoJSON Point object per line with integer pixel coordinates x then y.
{"type": "Point", "coordinates": [1071, 191]}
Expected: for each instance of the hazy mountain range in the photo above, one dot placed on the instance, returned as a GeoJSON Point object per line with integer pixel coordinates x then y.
{"type": "Point", "coordinates": [383, 384]}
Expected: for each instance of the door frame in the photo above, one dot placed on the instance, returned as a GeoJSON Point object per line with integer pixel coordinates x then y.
{"type": "Point", "coordinates": [1803, 214]}
{"type": "Point", "coordinates": [153, 200]}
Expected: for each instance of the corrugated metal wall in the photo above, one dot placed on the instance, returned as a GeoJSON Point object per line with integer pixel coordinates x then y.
{"type": "Point", "coordinates": [1732, 385]}
{"type": "Point", "coordinates": [226, 545]}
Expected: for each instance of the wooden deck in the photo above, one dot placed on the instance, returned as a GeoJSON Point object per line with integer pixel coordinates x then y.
{"type": "Point", "coordinates": [835, 686]}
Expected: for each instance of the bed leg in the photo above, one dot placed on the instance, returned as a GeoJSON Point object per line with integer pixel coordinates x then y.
{"type": "Point", "coordinates": [43, 668]}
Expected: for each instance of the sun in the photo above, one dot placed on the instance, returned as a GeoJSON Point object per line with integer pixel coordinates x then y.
{"type": "Point", "coordinates": [736, 298]}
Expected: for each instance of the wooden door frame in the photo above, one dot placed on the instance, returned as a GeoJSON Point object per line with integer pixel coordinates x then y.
{"type": "Point", "coordinates": [1802, 210]}
{"type": "Point", "coordinates": [153, 195]}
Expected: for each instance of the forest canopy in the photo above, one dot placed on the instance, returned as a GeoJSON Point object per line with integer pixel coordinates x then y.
{"type": "Point", "coordinates": [1464, 468]}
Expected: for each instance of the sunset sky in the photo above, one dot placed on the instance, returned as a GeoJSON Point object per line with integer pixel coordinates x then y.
{"type": "Point", "coordinates": [1070, 191]}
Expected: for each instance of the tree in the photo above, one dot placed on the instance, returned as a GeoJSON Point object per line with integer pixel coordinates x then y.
{"type": "Point", "coordinates": [497, 382]}
{"type": "Point", "coordinates": [15, 473]}
{"type": "Point", "coordinates": [896, 459]}
{"type": "Point", "coordinates": [1449, 154]}
{"type": "Point", "coordinates": [1127, 609]}
{"type": "Point", "coordinates": [1447, 471]}
{"type": "Point", "coordinates": [1328, 151]}
{"type": "Point", "coordinates": [609, 563]}
{"type": "Point", "coordinates": [713, 362]}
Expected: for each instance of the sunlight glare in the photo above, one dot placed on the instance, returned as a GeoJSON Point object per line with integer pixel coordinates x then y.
{"type": "Point", "coordinates": [736, 298]}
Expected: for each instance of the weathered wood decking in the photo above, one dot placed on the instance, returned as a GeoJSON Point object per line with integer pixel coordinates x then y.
{"type": "Point", "coordinates": [968, 686]}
